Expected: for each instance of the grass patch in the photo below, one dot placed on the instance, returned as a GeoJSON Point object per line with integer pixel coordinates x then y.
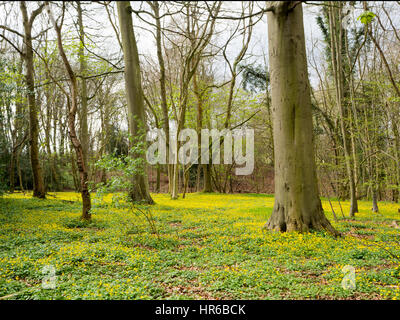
{"type": "Point", "coordinates": [211, 246]}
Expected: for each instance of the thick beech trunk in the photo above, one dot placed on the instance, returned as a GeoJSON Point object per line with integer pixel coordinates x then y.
{"type": "Point", "coordinates": [297, 204]}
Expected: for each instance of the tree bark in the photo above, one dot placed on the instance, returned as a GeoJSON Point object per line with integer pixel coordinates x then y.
{"type": "Point", "coordinates": [12, 169]}
{"type": "Point", "coordinates": [336, 53]}
{"type": "Point", "coordinates": [135, 100]}
{"type": "Point", "coordinates": [38, 182]}
{"type": "Point", "coordinates": [19, 136]}
{"type": "Point", "coordinates": [84, 134]}
{"type": "Point", "coordinates": [375, 201]}
{"type": "Point", "coordinates": [19, 171]}
{"type": "Point", "coordinates": [297, 204]}
{"type": "Point", "coordinates": [73, 106]}
{"type": "Point", "coordinates": [207, 178]}
{"type": "Point", "coordinates": [164, 106]}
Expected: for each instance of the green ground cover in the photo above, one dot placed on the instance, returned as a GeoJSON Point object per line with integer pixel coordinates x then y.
{"type": "Point", "coordinates": [211, 246]}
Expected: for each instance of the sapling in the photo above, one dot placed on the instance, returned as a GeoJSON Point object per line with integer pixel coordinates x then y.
{"type": "Point", "coordinates": [123, 168]}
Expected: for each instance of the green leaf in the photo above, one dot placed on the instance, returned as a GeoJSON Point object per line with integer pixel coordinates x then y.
{"type": "Point", "coordinates": [366, 17]}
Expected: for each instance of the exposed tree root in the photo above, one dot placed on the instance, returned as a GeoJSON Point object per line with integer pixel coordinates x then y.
{"type": "Point", "coordinates": [280, 220]}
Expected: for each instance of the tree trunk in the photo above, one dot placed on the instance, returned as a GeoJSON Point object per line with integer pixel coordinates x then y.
{"type": "Point", "coordinates": [84, 134]}
{"type": "Point", "coordinates": [158, 181]}
{"type": "Point", "coordinates": [73, 106]}
{"type": "Point", "coordinates": [336, 53]}
{"type": "Point", "coordinates": [164, 106]}
{"type": "Point", "coordinates": [19, 134]}
{"type": "Point", "coordinates": [12, 170]}
{"type": "Point", "coordinates": [38, 182]}
{"type": "Point", "coordinates": [19, 171]}
{"type": "Point", "coordinates": [75, 178]}
{"type": "Point", "coordinates": [297, 204]}
{"type": "Point", "coordinates": [47, 128]}
{"type": "Point", "coordinates": [375, 200]}
{"type": "Point", "coordinates": [396, 146]}
{"type": "Point", "coordinates": [199, 126]}
{"type": "Point", "coordinates": [198, 175]}
{"type": "Point", "coordinates": [135, 100]}
{"type": "Point", "coordinates": [207, 178]}
{"type": "Point", "coordinates": [185, 180]}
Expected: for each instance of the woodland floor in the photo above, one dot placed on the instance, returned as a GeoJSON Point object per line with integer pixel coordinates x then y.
{"type": "Point", "coordinates": [212, 246]}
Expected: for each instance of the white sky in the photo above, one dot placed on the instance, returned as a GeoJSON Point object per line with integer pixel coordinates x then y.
{"type": "Point", "coordinates": [97, 24]}
{"type": "Point", "coordinates": [259, 42]}
{"type": "Point", "coordinates": [258, 46]}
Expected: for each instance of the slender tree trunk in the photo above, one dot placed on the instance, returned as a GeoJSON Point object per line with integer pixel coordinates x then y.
{"type": "Point", "coordinates": [38, 182]}
{"type": "Point", "coordinates": [198, 175]}
{"type": "Point", "coordinates": [84, 134]}
{"type": "Point", "coordinates": [297, 204]}
{"type": "Point", "coordinates": [375, 200]}
{"type": "Point", "coordinates": [47, 129]}
{"type": "Point", "coordinates": [19, 135]}
{"type": "Point", "coordinates": [185, 181]}
{"type": "Point", "coordinates": [396, 173]}
{"type": "Point", "coordinates": [104, 138]}
{"type": "Point", "coordinates": [158, 181]}
{"type": "Point", "coordinates": [73, 106]}
{"type": "Point", "coordinates": [135, 100]}
{"type": "Point", "coordinates": [199, 123]}
{"type": "Point", "coordinates": [74, 170]}
{"type": "Point", "coordinates": [207, 178]}
{"type": "Point", "coordinates": [175, 175]}
{"type": "Point", "coordinates": [21, 185]}
{"type": "Point", "coordinates": [181, 123]}
{"type": "Point", "coordinates": [164, 106]}
{"type": "Point", "coordinates": [336, 53]}
{"type": "Point", "coordinates": [12, 171]}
